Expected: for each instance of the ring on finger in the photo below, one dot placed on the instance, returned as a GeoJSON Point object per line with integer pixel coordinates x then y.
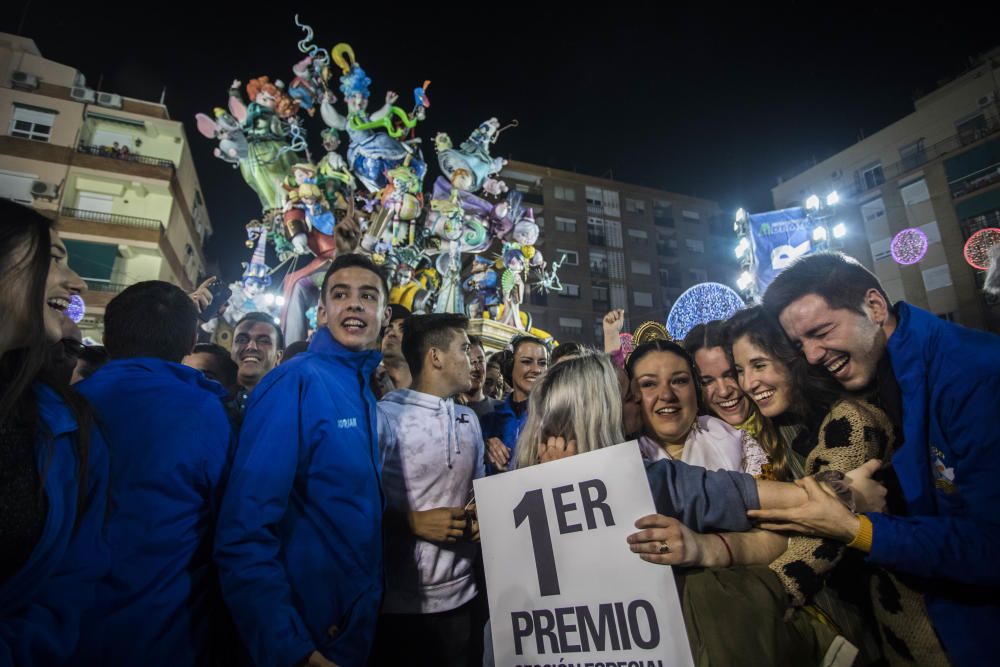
{"type": "Point", "coordinates": [663, 547]}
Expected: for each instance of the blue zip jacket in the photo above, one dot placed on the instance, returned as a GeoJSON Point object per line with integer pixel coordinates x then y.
{"type": "Point", "coordinates": [41, 605]}
{"type": "Point", "coordinates": [299, 541]}
{"type": "Point", "coordinates": [949, 470]}
{"type": "Point", "coordinates": [505, 424]}
{"type": "Point", "coordinates": [170, 444]}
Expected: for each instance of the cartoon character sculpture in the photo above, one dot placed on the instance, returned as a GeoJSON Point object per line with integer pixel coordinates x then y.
{"type": "Point", "coordinates": [233, 146]}
{"type": "Point", "coordinates": [271, 154]}
{"type": "Point", "coordinates": [374, 146]}
{"type": "Point", "coordinates": [512, 288]}
{"type": "Point", "coordinates": [483, 285]}
{"type": "Point", "coordinates": [470, 166]}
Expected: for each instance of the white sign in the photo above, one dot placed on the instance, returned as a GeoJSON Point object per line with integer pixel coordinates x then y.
{"type": "Point", "coordinates": [564, 588]}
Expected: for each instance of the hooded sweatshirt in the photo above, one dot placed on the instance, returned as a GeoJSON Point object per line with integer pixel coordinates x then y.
{"type": "Point", "coordinates": [431, 451]}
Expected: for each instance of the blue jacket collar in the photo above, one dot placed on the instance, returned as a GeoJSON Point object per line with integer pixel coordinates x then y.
{"type": "Point", "coordinates": [53, 411]}
{"type": "Point", "coordinates": [185, 374]}
{"type": "Point", "coordinates": [323, 343]}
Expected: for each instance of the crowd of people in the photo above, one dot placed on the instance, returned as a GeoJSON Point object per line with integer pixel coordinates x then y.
{"type": "Point", "coordinates": [823, 468]}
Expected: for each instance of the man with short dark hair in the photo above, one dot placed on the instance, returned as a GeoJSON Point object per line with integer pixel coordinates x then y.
{"type": "Point", "coordinates": [477, 399]}
{"type": "Point", "coordinates": [299, 544]}
{"type": "Point", "coordinates": [939, 382]}
{"type": "Point", "coordinates": [392, 351]}
{"type": "Point", "coordinates": [257, 348]}
{"type": "Point", "coordinates": [432, 449]}
{"type": "Point", "coordinates": [215, 362]}
{"type": "Point", "coordinates": [169, 440]}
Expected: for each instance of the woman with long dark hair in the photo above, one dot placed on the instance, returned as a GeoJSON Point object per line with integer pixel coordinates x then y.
{"type": "Point", "coordinates": [708, 346]}
{"type": "Point", "coordinates": [53, 465]}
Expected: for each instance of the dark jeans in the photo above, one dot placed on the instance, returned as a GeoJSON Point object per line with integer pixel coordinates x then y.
{"type": "Point", "coordinates": [447, 639]}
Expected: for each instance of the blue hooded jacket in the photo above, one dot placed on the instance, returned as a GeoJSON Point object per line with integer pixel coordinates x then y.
{"type": "Point", "coordinates": [170, 444]}
{"type": "Point", "coordinates": [299, 541]}
{"type": "Point", "coordinates": [42, 604]}
{"type": "Point", "coordinates": [506, 424]}
{"type": "Point", "coordinates": [949, 471]}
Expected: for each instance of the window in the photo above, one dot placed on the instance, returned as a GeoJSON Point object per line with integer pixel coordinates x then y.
{"type": "Point", "coordinates": [572, 258]}
{"type": "Point", "coordinates": [595, 197]}
{"type": "Point", "coordinates": [698, 276]}
{"type": "Point", "coordinates": [695, 245]}
{"type": "Point", "coordinates": [871, 176]}
{"type": "Point", "coordinates": [565, 225]}
{"type": "Point", "coordinates": [691, 216]}
{"type": "Point", "coordinates": [641, 268]}
{"type": "Point", "coordinates": [17, 186]}
{"type": "Point", "coordinates": [571, 290]}
{"type": "Point", "coordinates": [31, 123]}
{"type": "Point", "coordinates": [635, 205]}
{"type": "Point", "coordinates": [912, 155]}
{"type": "Point", "coordinates": [638, 234]}
{"type": "Point", "coordinates": [540, 221]}
{"type": "Point", "coordinates": [599, 264]}
{"type": "Point", "coordinates": [600, 293]}
{"type": "Point", "coordinates": [971, 129]}
{"type": "Point", "coordinates": [564, 192]}
{"type": "Point", "coordinates": [642, 299]}
{"type": "Point", "coordinates": [663, 213]}
{"type": "Point", "coordinates": [596, 231]}
{"type": "Point", "coordinates": [571, 326]}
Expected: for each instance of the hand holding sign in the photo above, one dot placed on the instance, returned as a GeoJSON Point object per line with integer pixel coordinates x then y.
{"type": "Point", "coordinates": [587, 598]}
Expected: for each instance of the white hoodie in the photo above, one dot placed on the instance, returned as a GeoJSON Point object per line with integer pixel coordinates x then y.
{"type": "Point", "coordinates": [431, 450]}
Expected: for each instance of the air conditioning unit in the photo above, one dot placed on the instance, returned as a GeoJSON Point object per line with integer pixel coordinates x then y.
{"type": "Point", "coordinates": [81, 94]}
{"type": "Point", "coordinates": [109, 100]}
{"type": "Point", "coordinates": [24, 80]}
{"type": "Point", "coordinates": [985, 101]}
{"type": "Point", "coordinates": [43, 190]}
{"type": "Point", "coordinates": [837, 173]}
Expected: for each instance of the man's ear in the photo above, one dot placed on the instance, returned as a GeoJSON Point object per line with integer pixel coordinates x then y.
{"type": "Point", "coordinates": [876, 305]}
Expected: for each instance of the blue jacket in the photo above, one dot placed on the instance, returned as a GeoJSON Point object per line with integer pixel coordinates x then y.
{"type": "Point", "coordinates": [949, 470]}
{"type": "Point", "coordinates": [170, 445]}
{"type": "Point", "coordinates": [299, 542]}
{"type": "Point", "coordinates": [41, 605]}
{"type": "Point", "coordinates": [505, 424]}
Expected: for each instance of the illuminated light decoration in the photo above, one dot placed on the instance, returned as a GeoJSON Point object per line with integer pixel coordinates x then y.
{"type": "Point", "coordinates": [741, 215]}
{"type": "Point", "coordinates": [744, 280]}
{"type": "Point", "coordinates": [76, 308]}
{"type": "Point", "coordinates": [279, 300]}
{"type": "Point", "coordinates": [812, 203]}
{"type": "Point", "coordinates": [700, 304]}
{"type": "Point", "coordinates": [839, 230]}
{"type": "Point", "coordinates": [269, 299]}
{"type": "Point", "coordinates": [742, 247]}
{"type": "Point", "coordinates": [977, 248]}
{"type": "Point", "coordinates": [908, 246]}
{"type": "Point", "coordinates": [832, 199]}
{"type": "Point", "coordinates": [277, 321]}
{"type": "Point", "coordinates": [819, 234]}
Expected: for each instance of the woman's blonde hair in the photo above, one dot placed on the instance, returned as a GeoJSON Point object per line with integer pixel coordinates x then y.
{"type": "Point", "coordinates": [579, 400]}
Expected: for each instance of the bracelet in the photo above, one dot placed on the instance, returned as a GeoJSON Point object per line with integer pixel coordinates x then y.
{"type": "Point", "coordinates": [728, 550]}
{"type": "Point", "coordinates": [863, 540]}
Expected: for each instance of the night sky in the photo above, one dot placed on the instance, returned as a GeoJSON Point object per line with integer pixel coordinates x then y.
{"type": "Point", "coordinates": [710, 103]}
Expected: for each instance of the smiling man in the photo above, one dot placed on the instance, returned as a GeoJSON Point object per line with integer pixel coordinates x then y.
{"type": "Point", "coordinates": [299, 543]}
{"type": "Point", "coordinates": [257, 347]}
{"type": "Point", "coordinates": [940, 383]}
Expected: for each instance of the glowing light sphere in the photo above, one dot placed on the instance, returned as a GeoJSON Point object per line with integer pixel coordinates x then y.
{"type": "Point", "coordinates": [908, 246]}
{"type": "Point", "coordinates": [977, 248]}
{"type": "Point", "coordinates": [700, 304]}
{"type": "Point", "coordinates": [76, 309]}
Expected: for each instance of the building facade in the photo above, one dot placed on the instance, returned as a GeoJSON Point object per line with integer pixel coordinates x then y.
{"type": "Point", "coordinates": [625, 246]}
{"type": "Point", "coordinates": [116, 174]}
{"type": "Point", "coordinates": [915, 192]}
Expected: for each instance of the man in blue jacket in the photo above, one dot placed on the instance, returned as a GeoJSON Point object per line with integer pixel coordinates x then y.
{"type": "Point", "coordinates": [169, 440]}
{"type": "Point", "coordinates": [299, 542]}
{"type": "Point", "coordinates": [940, 383]}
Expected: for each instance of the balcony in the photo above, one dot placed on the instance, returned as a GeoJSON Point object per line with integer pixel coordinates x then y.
{"type": "Point", "coordinates": [926, 154]}
{"type": "Point", "coordinates": [597, 238]}
{"type": "Point", "coordinates": [97, 223]}
{"type": "Point", "coordinates": [106, 158]}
